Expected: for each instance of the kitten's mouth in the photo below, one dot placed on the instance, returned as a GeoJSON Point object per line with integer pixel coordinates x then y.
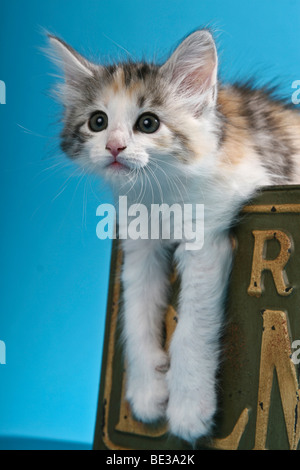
{"type": "Point", "coordinates": [117, 166]}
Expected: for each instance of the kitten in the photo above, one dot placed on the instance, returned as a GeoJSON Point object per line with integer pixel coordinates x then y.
{"type": "Point", "coordinates": [173, 134]}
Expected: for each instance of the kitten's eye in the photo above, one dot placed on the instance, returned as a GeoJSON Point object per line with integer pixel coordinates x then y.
{"type": "Point", "coordinates": [147, 123]}
{"type": "Point", "coordinates": [98, 121]}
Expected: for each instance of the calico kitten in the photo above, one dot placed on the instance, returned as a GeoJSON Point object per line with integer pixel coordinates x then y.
{"type": "Point", "coordinates": [173, 134]}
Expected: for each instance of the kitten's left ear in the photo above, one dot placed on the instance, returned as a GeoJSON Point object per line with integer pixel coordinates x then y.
{"type": "Point", "coordinates": [193, 67]}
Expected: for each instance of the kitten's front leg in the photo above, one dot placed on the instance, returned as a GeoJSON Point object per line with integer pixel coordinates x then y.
{"type": "Point", "coordinates": [195, 344]}
{"type": "Point", "coordinates": [145, 283]}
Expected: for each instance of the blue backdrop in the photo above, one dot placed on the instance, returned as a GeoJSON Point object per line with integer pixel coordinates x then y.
{"type": "Point", "coordinates": [54, 270]}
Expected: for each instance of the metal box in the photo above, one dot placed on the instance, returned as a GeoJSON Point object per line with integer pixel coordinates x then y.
{"type": "Point", "coordinates": [259, 373]}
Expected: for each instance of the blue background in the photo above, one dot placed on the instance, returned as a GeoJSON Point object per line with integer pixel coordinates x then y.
{"type": "Point", "coordinates": [54, 270]}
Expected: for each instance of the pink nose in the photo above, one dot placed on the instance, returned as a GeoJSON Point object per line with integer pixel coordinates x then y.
{"type": "Point", "coordinates": [115, 148]}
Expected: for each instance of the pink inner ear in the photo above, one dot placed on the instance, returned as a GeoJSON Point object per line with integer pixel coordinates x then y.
{"type": "Point", "coordinates": [200, 79]}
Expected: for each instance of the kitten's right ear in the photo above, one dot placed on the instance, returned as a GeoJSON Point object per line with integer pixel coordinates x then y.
{"type": "Point", "coordinates": [75, 66]}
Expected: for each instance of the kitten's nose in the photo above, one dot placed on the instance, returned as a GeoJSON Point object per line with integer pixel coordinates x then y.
{"type": "Point", "coordinates": [115, 148]}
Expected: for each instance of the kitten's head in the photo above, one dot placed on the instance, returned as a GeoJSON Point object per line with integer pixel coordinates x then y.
{"type": "Point", "coordinates": [135, 118]}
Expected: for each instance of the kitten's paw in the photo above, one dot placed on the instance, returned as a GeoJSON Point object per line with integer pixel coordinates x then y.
{"type": "Point", "coordinates": [148, 393]}
{"type": "Point", "coordinates": [190, 414]}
